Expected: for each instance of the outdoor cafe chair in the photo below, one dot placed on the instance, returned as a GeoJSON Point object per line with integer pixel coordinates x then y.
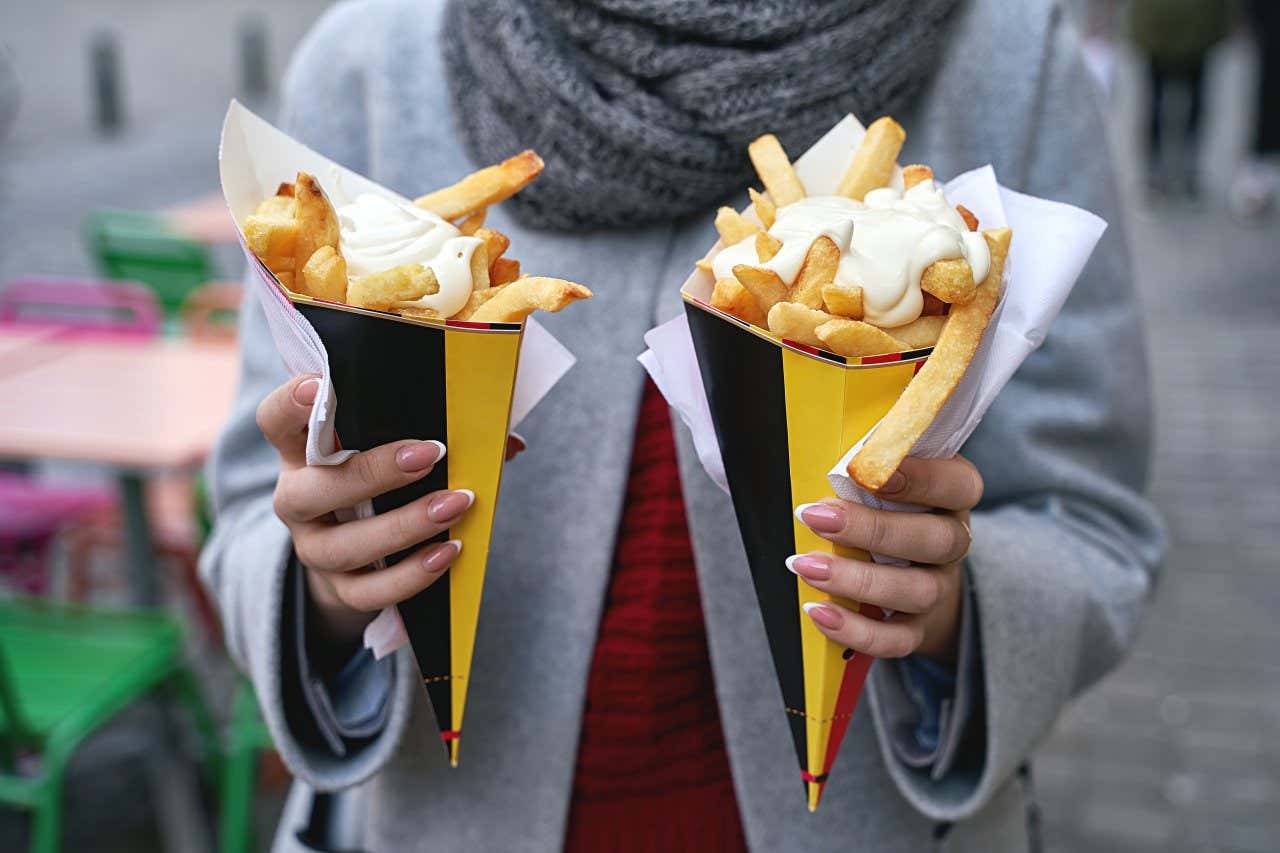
{"type": "Point", "coordinates": [141, 247]}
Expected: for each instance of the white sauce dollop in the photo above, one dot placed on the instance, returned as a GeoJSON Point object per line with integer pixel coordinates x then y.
{"type": "Point", "coordinates": [885, 245]}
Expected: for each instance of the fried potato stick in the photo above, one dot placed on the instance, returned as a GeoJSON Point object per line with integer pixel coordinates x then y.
{"type": "Point", "coordinates": [316, 218]}
{"type": "Point", "coordinates": [915, 174]}
{"type": "Point", "coordinates": [480, 267]}
{"type": "Point", "coordinates": [281, 207]}
{"type": "Point", "coordinates": [933, 306]}
{"type": "Point", "coordinates": [732, 298]}
{"type": "Point", "coordinates": [872, 164]}
{"type": "Point", "coordinates": [767, 246]}
{"type": "Point", "coordinates": [921, 332]}
{"type": "Point", "coordinates": [844, 300]}
{"type": "Point", "coordinates": [774, 168]}
{"type": "Point", "coordinates": [763, 284]}
{"type": "Point", "coordinates": [477, 298]}
{"type": "Point", "coordinates": [798, 323]}
{"type": "Point", "coordinates": [381, 291]}
{"type": "Point", "coordinates": [523, 296]}
{"type": "Point", "coordinates": [854, 338]}
{"type": "Point", "coordinates": [495, 242]}
{"type": "Point", "coordinates": [482, 188]}
{"type": "Point", "coordinates": [930, 389]}
{"type": "Point", "coordinates": [950, 280]}
{"type": "Point", "coordinates": [503, 271]}
{"type": "Point", "coordinates": [967, 215]}
{"type": "Point", "coordinates": [269, 237]}
{"type": "Point", "coordinates": [733, 226]}
{"type": "Point", "coordinates": [765, 209]}
{"type": "Point", "coordinates": [324, 276]}
{"type": "Point", "coordinates": [473, 223]}
{"type": "Point", "coordinates": [817, 271]}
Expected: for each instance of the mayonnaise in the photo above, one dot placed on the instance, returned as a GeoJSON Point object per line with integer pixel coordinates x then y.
{"type": "Point", "coordinates": [885, 243]}
{"type": "Point", "coordinates": [377, 233]}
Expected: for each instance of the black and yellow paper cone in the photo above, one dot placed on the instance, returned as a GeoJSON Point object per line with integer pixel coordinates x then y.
{"type": "Point", "coordinates": [397, 378]}
{"type": "Point", "coordinates": [784, 413]}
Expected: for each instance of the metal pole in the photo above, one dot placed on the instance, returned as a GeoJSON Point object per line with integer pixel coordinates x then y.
{"type": "Point", "coordinates": [104, 62]}
{"type": "Point", "coordinates": [253, 56]}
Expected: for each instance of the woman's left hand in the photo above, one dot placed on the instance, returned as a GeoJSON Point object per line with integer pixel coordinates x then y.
{"type": "Point", "coordinates": [926, 596]}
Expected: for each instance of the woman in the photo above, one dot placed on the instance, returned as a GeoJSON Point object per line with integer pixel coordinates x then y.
{"type": "Point", "coordinates": [616, 702]}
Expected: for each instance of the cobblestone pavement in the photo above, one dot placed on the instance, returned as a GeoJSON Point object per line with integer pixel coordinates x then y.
{"type": "Point", "coordinates": [1179, 750]}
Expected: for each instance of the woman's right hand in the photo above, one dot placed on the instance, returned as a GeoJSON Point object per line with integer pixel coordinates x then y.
{"type": "Point", "coordinates": [338, 555]}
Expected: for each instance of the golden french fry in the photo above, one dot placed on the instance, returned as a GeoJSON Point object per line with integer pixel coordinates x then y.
{"type": "Point", "coordinates": [482, 188]}
{"type": "Point", "coordinates": [967, 215]}
{"type": "Point", "coordinates": [872, 165]}
{"type": "Point", "coordinates": [854, 338]}
{"type": "Point", "coordinates": [477, 298]}
{"type": "Point", "coordinates": [798, 323]}
{"type": "Point", "coordinates": [844, 300]}
{"type": "Point", "coordinates": [271, 237]}
{"type": "Point", "coordinates": [767, 246]}
{"type": "Point", "coordinates": [284, 188]}
{"type": "Point", "coordinates": [779, 178]}
{"type": "Point", "coordinates": [733, 227]}
{"type": "Point", "coordinates": [915, 174]}
{"type": "Point", "coordinates": [732, 298]}
{"type": "Point", "coordinates": [921, 332]}
{"type": "Point", "coordinates": [380, 291]}
{"type": "Point", "coordinates": [950, 280]}
{"type": "Point", "coordinates": [317, 220]}
{"type": "Point", "coordinates": [933, 306]}
{"type": "Point", "coordinates": [926, 394]}
{"type": "Point", "coordinates": [286, 279]}
{"type": "Point", "coordinates": [480, 267]}
{"type": "Point", "coordinates": [763, 284]}
{"type": "Point", "coordinates": [503, 271]}
{"type": "Point", "coordinates": [416, 312]}
{"type": "Point", "coordinates": [523, 296]}
{"type": "Point", "coordinates": [324, 275]}
{"type": "Point", "coordinates": [495, 242]}
{"type": "Point", "coordinates": [765, 209]}
{"type": "Point", "coordinates": [278, 207]}
{"type": "Point", "coordinates": [817, 271]}
{"type": "Point", "coordinates": [473, 223]}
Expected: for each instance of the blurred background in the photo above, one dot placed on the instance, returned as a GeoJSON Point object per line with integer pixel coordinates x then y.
{"type": "Point", "coordinates": [126, 730]}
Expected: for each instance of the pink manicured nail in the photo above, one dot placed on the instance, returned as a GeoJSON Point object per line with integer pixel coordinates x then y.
{"type": "Point", "coordinates": [413, 458]}
{"type": "Point", "coordinates": [821, 518]}
{"type": "Point", "coordinates": [441, 556]}
{"type": "Point", "coordinates": [304, 393]}
{"type": "Point", "coordinates": [450, 505]}
{"type": "Point", "coordinates": [897, 482]}
{"type": "Point", "coordinates": [825, 616]}
{"type": "Point", "coordinates": [814, 567]}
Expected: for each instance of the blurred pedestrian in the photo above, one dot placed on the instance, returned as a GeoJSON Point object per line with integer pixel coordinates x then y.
{"type": "Point", "coordinates": [1256, 186]}
{"type": "Point", "coordinates": [1176, 36]}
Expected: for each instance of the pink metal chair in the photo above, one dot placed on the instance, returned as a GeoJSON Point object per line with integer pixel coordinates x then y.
{"type": "Point", "coordinates": [81, 307]}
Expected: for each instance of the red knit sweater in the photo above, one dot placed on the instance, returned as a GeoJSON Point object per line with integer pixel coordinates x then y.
{"type": "Point", "coordinates": [652, 771]}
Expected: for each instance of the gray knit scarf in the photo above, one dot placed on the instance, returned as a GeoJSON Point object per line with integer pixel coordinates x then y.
{"type": "Point", "coordinates": [643, 109]}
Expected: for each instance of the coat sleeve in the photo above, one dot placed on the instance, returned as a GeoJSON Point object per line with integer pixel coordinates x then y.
{"type": "Point", "coordinates": [1065, 546]}
{"type": "Point", "coordinates": [245, 562]}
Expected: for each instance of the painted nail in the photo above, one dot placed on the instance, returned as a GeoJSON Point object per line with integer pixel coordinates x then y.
{"type": "Point", "coordinates": [304, 393]}
{"type": "Point", "coordinates": [813, 567]}
{"type": "Point", "coordinates": [821, 518]}
{"type": "Point", "coordinates": [825, 616]}
{"type": "Point", "coordinates": [450, 505]}
{"type": "Point", "coordinates": [897, 482]}
{"type": "Point", "coordinates": [413, 458]}
{"type": "Point", "coordinates": [441, 556]}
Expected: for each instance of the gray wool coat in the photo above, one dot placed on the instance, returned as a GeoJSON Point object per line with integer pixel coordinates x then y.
{"type": "Point", "coordinates": [1065, 547]}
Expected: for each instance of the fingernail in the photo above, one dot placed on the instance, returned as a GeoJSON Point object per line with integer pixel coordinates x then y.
{"type": "Point", "coordinates": [821, 518]}
{"type": "Point", "coordinates": [441, 556]}
{"type": "Point", "coordinates": [825, 616]}
{"type": "Point", "coordinates": [896, 483]}
{"type": "Point", "coordinates": [304, 393]}
{"type": "Point", "coordinates": [413, 458]}
{"type": "Point", "coordinates": [814, 567]}
{"type": "Point", "coordinates": [450, 505]}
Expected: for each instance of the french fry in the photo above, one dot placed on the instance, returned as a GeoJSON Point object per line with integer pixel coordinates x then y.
{"type": "Point", "coordinates": [921, 332]}
{"type": "Point", "coordinates": [925, 396]}
{"type": "Point", "coordinates": [872, 165]}
{"type": "Point", "coordinates": [854, 338]}
{"type": "Point", "coordinates": [324, 275]}
{"type": "Point", "coordinates": [767, 246]}
{"type": "Point", "coordinates": [933, 306]}
{"type": "Point", "coordinates": [503, 271]}
{"type": "Point", "coordinates": [285, 189]}
{"type": "Point", "coordinates": [286, 279]}
{"type": "Point", "coordinates": [776, 173]}
{"type": "Point", "coordinates": [480, 268]}
{"type": "Point", "coordinates": [316, 218]}
{"type": "Point", "coordinates": [915, 174]}
{"type": "Point", "coordinates": [271, 237]}
{"type": "Point", "coordinates": [844, 300]}
{"type": "Point", "coordinates": [416, 312]}
{"type": "Point", "coordinates": [484, 187]}
{"type": "Point", "coordinates": [732, 298]}
{"type": "Point", "coordinates": [798, 323]}
{"type": "Point", "coordinates": [763, 284]}
{"type": "Point", "coordinates": [279, 207]}
{"type": "Point", "coordinates": [950, 280]}
{"type": "Point", "coordinates": [765, 209]}
{"type": "Point", "coordinates": [495, 242]}
{"type": "Point", "coordinates": [733, 227]}
{"type": "Point", "coordinates": [381, 291]}
{"type": "Point", "coordinates": [523, 296]}
{"type": "Point", "coordinates": [817, 271]}
{"type": "Point", "coordinates": [477, 298]}
{"type": "Point", "coordinates": [967, 215]}
{"type": "Point", "coordinates": [473, 223]}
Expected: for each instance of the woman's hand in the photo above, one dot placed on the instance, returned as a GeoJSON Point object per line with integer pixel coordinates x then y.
{"type": "Point", "coordinates": [924, 596]}
{"type": "Point", "coordinates": [337, 555]}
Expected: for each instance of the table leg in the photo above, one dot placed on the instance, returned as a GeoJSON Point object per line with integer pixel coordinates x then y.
{"type": "Point", "coordinates": [143, 570]}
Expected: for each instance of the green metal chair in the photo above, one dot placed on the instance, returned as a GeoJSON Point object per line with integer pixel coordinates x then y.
{"type": "Point", "coordinates": [65, 672]}
{"type": "Point", "coordinates": [140, 247]}
{"type": "Point", "coordinates": [247, 735]}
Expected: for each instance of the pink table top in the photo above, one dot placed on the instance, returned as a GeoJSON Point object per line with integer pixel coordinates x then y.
{"type": "Point", "coordinates": [206, 219]}
{"type": "Point", "coordinates": [149, 404]}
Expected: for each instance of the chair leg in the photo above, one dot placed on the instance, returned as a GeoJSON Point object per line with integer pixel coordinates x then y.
{"type": "Point", "coordinates": [206, 728]}
{"type": "Point", "coordinates": [46, 817]}
{"type": "Point", "coordinates": [234, 829]}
